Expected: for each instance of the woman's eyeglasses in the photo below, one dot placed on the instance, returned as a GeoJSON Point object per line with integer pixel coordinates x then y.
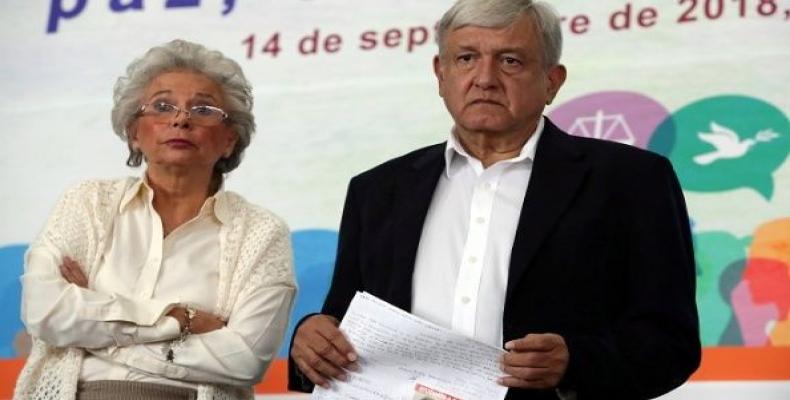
{"type": "Point", "coordinates": [199, 115]}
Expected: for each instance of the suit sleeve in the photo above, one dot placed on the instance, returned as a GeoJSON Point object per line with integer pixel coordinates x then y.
{"type": "Point", "coordinates": [346, 279]}
{"type": "Point", "coordinates": [653, 345]}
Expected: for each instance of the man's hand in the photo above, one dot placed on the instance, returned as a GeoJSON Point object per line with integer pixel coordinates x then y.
{"type": "Point", "coordinates": [536, 361]}
{"type": "Point", "coordinates": [321, 351]}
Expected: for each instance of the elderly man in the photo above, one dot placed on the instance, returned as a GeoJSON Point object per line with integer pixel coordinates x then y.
{"type": "Point", "coordinates": [572, 253]}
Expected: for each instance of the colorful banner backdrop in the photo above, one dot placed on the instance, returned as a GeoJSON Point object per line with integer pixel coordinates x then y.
{"type": "Point", "coordinates": [343, 85]}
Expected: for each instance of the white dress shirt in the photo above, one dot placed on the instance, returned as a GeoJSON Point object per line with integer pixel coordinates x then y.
{"type": "Point", "coordinates": [461, 269]}
{"type": "Point", "coordinates": [120, 318]}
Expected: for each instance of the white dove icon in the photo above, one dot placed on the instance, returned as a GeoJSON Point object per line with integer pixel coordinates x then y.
{"type": "Point", "coordinates": [728, 144]}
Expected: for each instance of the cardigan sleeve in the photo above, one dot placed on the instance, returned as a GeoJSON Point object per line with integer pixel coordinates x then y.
{"type": "Point", "coordinates": [63, 314]}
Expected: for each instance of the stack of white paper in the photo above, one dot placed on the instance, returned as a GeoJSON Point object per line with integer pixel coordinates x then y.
{"type": "Point", "coordinates": [403, 357]}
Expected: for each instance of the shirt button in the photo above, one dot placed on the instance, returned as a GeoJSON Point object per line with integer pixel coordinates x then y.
{"type": "Point", "coordinates": [488, 185]}
{"type": "Point", "coordinates": [465, 299]}
{"type": "Point", "coordinates": [480, 220]}
{"type": "Point", "coordinates": [472, 260]}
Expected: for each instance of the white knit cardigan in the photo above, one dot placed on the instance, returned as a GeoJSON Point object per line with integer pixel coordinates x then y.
{"type": "Point", "coordinates": [257, 253]}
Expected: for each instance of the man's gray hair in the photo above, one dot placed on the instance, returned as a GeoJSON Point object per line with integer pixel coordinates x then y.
{"type": "Point", "coordinates": [182, 55]}
{"type": "Point", "coordinates": [501, 13]}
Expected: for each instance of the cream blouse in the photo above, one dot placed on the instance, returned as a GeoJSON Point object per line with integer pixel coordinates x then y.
{"type": "Point", "coordinates": [119, 320]}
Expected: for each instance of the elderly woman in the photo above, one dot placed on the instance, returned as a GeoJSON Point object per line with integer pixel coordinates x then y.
{"type": "Point", "coordinates": [164, 286]}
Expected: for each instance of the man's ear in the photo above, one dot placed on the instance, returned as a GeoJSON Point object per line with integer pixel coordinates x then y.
{"type": "Point", "coordinates": [439, 72]}
{"type": "Point", "coordinates": [556, 76]}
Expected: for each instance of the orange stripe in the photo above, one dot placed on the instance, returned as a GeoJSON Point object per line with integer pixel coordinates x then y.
{"type": "Point", "coordinates": [718, 364]}
{"type": "Point", "coordinates": [9, 371]}
{"type": "Point", "coordinates": [744, 364]}
{"type": "Point", "coordinates": [276, 378]}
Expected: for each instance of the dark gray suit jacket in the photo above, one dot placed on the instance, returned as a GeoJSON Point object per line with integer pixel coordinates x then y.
{"type": "Point", "coordinates": [602, 256]}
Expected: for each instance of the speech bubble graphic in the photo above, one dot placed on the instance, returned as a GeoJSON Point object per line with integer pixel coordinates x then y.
{"type": "Point", "coordinates": [761, 300]}
{"type": "Point", "coordinates": [729, 279]}
{"type": "Point", "coordinates": [617, 116]}
{"type": "Point", "coordinates": [11, 260]}
{"type": "Point", "coordinates": [724, 143]}
{"type": "Point", "coordinates": [780, 335]}
{"type": "Point", "coordinates": [753, 318]}
{"type": "Point", "coordinates": [714, 253]}
{"type": "Point", "coordinates": [772, 241]}
{"type": "Point", "coordinates": [314, 263]}
{"type": "Point", "coordinates": [769, 284]}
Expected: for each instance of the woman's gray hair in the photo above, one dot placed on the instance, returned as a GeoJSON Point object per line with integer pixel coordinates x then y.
{"type": "Point", "coordinates": [501, 13]}
{"type": "Point", "coordinates": [183, 55]}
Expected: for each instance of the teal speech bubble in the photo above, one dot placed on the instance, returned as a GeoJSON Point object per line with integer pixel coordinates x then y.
{"type": "Point", "coordinates": [715, 252]}
{"type": "Point", "coordinates": [725, 142]}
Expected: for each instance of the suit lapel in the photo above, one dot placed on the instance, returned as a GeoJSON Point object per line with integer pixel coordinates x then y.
{"type": "Point", "coordinates": [413, 196]}
{"type": "Point", "coordinates": [558, 172]}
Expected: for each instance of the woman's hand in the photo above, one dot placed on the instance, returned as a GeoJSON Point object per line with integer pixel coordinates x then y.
{"type": "Point", "coordinates": [202, 322]}
{"type": "Point", "coordinates": [72, 273]}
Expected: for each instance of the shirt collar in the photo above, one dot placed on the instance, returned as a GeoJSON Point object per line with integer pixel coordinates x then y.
{"type": "Point", "coordinates": [132, 193]}
{"type": "Point", "coordinates": [222, 209]}
{"type": "Point", "coordinates": [216, 205]}
{"type": "Point", "coordinates": [454, 152]}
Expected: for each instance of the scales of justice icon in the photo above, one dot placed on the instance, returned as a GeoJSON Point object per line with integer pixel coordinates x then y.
{"type": "Point", "coordinates": [611, 127]}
